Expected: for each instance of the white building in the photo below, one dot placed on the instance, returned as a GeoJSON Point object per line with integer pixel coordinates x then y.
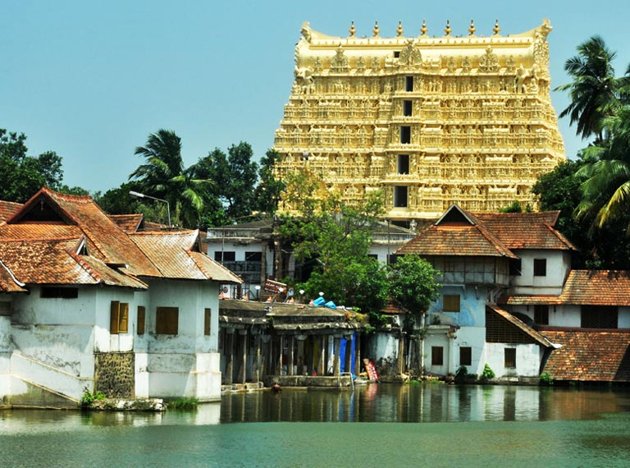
{"type": "Point", "coordinates": [88, 304]}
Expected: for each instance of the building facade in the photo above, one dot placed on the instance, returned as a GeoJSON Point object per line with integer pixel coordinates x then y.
{"type": "Point", "coordinates": [430, 120]}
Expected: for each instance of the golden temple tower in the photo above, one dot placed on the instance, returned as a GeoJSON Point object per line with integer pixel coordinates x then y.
{"type": "Point", "coordinates": [431, 121]}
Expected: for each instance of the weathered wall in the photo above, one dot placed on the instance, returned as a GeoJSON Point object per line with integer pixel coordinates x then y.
{"type": "Point", "coordinates": [528, 357]}
{"type": "Point", "coordinates": [558, 265]}
{"type": "Point", "coordinates": [114, 374]}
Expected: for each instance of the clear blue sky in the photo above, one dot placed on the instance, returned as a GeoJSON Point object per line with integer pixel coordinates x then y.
{"type": "Point", "coordinates": [91, 79]}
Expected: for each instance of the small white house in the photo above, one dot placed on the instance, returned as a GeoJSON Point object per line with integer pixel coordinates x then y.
{"type": "Point", "coordinates": [85, 304]}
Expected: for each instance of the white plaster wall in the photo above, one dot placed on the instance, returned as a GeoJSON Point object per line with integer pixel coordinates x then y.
{"type": "Point", "coordinates": [558, 265]}
{"type": "Point", "coordinates": [186, 364]}
{"type": "Point", "coordinates": [437, 340]}
{"type": "Point", "coordinates": [528, 357]}
{"type": "Point", "coordinates": [475, 338]}
{"type": "Point", "coordinates": [382, 250]}
{"type": "Point", "coordinates": [383, 345]}
{"type": "Point", "coordinates": [104, 341]}
{"type": "Point", "coordinates": [624, 317]}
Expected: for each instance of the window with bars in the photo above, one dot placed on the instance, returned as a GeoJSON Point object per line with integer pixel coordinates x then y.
{"type": "Point", "coordinates": [119, 317]}
{"type": "Point", "coordinates": [166, 320]}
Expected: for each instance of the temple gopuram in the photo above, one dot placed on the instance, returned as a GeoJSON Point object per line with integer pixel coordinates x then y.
{"type": "Point", "coordinates": [429, 120]}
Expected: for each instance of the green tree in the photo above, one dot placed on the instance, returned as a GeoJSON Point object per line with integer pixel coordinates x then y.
{"type": "Point", "coordinates": [268, 190]}
{"type": "Point", "coordinates": [413, 283]}
{"type": "Point", "coordinates": [163, 175]}
{"type": "Point", "coordinates": [335, 237]}
{"type": "Point", "coordinates": [23, 175]}
{"type": "Point", "coordinates": [595, 92]}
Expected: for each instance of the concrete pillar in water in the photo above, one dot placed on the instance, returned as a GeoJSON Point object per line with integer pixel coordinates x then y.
{"type": "Point", "coordinates": [290, 356]}
{"type": "Point", "coordinates": [258, 362]}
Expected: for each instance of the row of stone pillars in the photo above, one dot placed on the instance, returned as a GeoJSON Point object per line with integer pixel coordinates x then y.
{"type": "Point", "coordinates": [248, 356]}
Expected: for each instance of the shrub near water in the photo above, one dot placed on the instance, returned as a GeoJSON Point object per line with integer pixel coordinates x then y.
{"type": "Point", "coordinates": [88, 398]}
{"type": "Point", "coordinates": [185, 404]}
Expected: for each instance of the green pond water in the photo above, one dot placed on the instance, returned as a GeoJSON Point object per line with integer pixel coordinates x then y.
{"type": "Point", "coordinates": [374, 425]}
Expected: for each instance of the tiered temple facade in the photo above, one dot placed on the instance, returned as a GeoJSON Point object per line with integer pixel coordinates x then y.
{"type": "Point", "coordinates": [431, 121]}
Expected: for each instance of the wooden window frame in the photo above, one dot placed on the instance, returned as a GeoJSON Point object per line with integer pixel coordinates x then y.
{"type": "Point", "coordinates": [207, 321]}
{"type": "Point", "coordinates": [465, 356]}
{"type": "Point", "coordinates": [450, 304]}
{"type": "Point", "coordinates": [166, 320]}
{"type": "Point", "coordinates": [119, 318]}
{"type": "Point", "coordinates": [509, 358]}
{"type": "Point", "coordinates": [141, 318]}
{"type": "Point", "coordinates": [437, 355]}
{"type": "Point", "coordinates": [540, 267]}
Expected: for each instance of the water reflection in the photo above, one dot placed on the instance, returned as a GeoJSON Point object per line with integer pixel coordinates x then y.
{"type": "Point", "coordinates": [424, 403]}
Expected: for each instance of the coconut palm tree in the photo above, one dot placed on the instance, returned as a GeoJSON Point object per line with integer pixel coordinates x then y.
{"type": "Point", "coordinates": [163, 175]}
{"type": "Point", "coordinates": [595, 91]}
{"type": "Point", "coordinates": [606, 190]}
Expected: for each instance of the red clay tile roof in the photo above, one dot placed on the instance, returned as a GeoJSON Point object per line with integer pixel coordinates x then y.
{"type": "Point", "coordinates": [526, 230]}
{"type": "Point", "coordinates": [468, 238]}
{"type": "Point", "coordinates": [585, 287]}
{"type": "Point", "coordinates": [109, 243]}
{"type": "Point", "coordinates": [39, 231]}
{"type": "Point", "coordinates": [515, 321]}
{"type": "Point", "coordinates": [8, 282]}
{"type": "Point", "coordinates": [128, 222]}
{"type": "Point", "coordinates": [175, 255]}
{"type": "Point", "coordinates": [8, 209]}
{"type": "Point", "coordinates": [593, 355]}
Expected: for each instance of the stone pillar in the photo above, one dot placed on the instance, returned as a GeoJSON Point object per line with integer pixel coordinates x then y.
{"type": "Point", "coordinates": [322, 360]}
{"type": "Point", "coordinates": [336, 363]}
{"type": "Point", "coordinates": [258, 362]}
{"type": "Point", "coordinates": [280, 349]}
{"type": "Point", "coordinates": [290, 362]}
{"type": "Point", "coordinates": [229, 355]}
{"type": "Point", "coordinates": [300, 354]}
{"type": "Point", "coordinates": [357, 357]}
{"type": "Point", "coordinates": [400, 361]}
{"type": "Point", "coordinates": [243, 371]}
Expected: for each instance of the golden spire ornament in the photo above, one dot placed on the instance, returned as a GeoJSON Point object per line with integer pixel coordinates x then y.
{"type": "Point", "coordinates": [399, 29]}
{"type": "Point", "coordinates": [471, 28]}
{"type": "Point", "coordinates": [497, 29]}
{"type": "Point", "coordinates": [423, 28]}
{"type": "Point", "coordinates": [375, 29]}
{"type": "Point", "coordinates": [447, 29]}
{"type": "Point", "coordinates": [352, 30]}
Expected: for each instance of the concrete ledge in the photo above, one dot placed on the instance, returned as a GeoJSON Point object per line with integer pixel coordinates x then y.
{"type": "Point", "coordinates": [308, 381]}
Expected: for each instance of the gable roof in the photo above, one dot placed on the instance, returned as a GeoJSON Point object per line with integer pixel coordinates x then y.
{"type": "Point", "coordinates": [108, 242]}
{"type": "Point", "coordinates": [8, 282]}
{"type": "Point", "coordinates": [589, 355]}
{"type": "Point", "coordinates": [175, 255]}
{"type": "Point", "coordinates": [457, 233]}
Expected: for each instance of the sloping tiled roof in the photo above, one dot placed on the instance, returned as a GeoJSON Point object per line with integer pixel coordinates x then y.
{"type": "Point", "coordinates": [536, 336]}
{"type": "Point", "coordinates": [455, 240]}
{"type": "Point", "coordinates": [45, 261]}
{"type": "Point", "coordinates": [589, 355]}
{"type": "Point", "coordinates": [585, 287]}
{"type": "Point", "coordinates": [8, 281]}
{"type": "Point", "coordinates": [597, 287]}
{"type": "Point", "coordinates": [8, 209]}
{"type": "Point", "coordinates": [128, 222]}
{"type": "Point", "coordinates": [39, 231]}
{"type": "Point", "coordinates": [526, 230]}
{"type": "Point", "coordinates": [109, 243]}
{"type": "Point", "coordinates": [174, 255]}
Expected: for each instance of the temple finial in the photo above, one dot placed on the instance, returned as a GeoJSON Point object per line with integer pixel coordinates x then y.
{"type": "Point", "coordinates": [399, 29]}
{"type": "Point", "coordinates": [471, 28]}
{"type": "Point", "coordinates": [447, 29]}
{"type": "Point", "coordinates": [352, 30]}
{"type": "Point", "coordinates": [375, 29]}
{"type": "Point", "coordinates": [423, 28]}
{"type": "Point", "coordinates": [497, 29]}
